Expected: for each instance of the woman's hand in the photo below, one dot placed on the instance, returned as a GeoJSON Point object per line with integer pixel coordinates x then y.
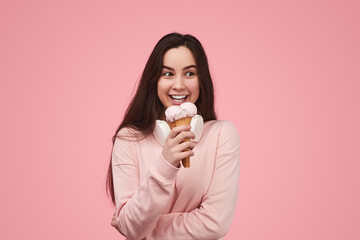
{"type": "Point", "coordinates": [174, 146]}
{"type": "Point", "coordinates": [114, 223]}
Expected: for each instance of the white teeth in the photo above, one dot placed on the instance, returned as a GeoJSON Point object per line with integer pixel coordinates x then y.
{"type": "Point", "coordinates": [178, 97]}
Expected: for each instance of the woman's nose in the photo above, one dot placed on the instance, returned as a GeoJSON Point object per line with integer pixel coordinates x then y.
{"type": "Point", "coordinates": [179, 83]}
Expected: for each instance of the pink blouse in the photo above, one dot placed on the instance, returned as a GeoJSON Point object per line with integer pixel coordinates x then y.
{"type": "Point", "coordinates": [155, 200]}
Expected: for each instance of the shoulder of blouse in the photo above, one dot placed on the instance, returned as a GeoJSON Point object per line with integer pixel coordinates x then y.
{"type": "Point", "coordinates": [129, 134]}
{"type": "Point", "coordinates": [224, 130]}
{"type": "Point", "coordinates": [221, 124]}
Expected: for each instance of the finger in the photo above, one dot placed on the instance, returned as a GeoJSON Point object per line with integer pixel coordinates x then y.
{"type": "Point", "coordinates": [176, 130]}
{"type": "Point", "coordinates": [113, 221]}
{"type": "Point", "coordinates": [185, 146]}
{"type": "Point", "coordinates": [186, 154]}
{"type": "Point", "coordinates": [182, 136]}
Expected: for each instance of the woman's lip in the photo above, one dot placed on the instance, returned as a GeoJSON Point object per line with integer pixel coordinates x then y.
{"type": "Point", "coordinates": [178, 103]}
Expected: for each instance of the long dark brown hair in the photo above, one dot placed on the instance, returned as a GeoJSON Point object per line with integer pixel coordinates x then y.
{"type": "Point", "coordinates": [145, 107]}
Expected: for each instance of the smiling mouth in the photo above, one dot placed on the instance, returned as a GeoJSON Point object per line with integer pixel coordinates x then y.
{"type": "Point", "coordinates": [178, 99]}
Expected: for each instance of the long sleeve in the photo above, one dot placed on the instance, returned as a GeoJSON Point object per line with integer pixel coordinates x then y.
{"type": "Point", "coordinates": [139, 204]}
{"type": "Point", "coordinates": [213, 218]}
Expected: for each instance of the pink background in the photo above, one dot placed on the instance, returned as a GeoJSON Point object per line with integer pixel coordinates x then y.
{"type": "Point", "coordinates": [286, 73]}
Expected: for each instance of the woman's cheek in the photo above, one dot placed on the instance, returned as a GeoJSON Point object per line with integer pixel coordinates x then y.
{"type": "Point", "coordinates": [193, 87]}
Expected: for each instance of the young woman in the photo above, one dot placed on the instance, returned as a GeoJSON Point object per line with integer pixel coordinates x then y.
{"type": "Point", "coordinates": [155, 197]}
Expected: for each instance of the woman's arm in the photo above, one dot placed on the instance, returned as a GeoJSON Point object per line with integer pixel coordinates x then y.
{"type": "Point", "coordinates": [139, 205]}
{"type": "Point", "coordinates": [213, 218]}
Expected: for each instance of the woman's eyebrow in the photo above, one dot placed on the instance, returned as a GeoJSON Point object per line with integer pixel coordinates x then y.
{"type": "Point", "coordinates": [187, 67]}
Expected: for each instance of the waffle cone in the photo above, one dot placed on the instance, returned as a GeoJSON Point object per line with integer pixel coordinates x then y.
{"type": "Point", "coordinates": [172, 124]}
{"type": "Point", "coordinates": [183, 121]}
{"type": "Point", "coordinates": [180, 122]}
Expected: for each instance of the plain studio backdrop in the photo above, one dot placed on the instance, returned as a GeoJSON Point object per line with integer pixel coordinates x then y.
{"type": "Point", "coordinates": [286, 73]}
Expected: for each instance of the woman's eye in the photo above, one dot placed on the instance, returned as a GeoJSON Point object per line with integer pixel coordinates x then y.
{"type": "Point", "coordinates": [189, 74]}
{"type": "Point", "coordinates": [167, 74]}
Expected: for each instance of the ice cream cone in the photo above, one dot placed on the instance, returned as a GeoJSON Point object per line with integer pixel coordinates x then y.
{"type": "Point", "coordinates": [183, 121]}
{"type": "Point", "coordinates": [180, 122]}
{"type": "Point", "coordinates": [178, 116]}
{"type": "Point", "coordinates": [172, 124]}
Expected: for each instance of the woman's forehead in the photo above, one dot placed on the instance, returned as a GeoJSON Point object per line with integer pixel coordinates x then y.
{"type": "Point", "coordinates": [178, 57]}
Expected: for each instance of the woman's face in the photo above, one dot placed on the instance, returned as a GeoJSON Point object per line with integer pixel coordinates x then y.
{"type": "Point", "coordinates": [179, 81]}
